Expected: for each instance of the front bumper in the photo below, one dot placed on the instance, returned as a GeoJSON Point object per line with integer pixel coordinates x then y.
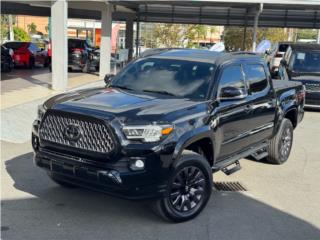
{"type": "Point", "coordinates": [113, 181]}
{"type": "Point", "coordinates": [115, 176]}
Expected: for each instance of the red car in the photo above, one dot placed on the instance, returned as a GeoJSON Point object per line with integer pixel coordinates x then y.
{"type": "Point", "coordinates": [28, 54]}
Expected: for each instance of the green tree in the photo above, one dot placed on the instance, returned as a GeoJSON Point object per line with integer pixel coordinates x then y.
{"type": "Point", "coordinates": [4, 27]}
{"type": "Point", "coordinates": [168, 35]}
{"type": "Point", "coordinates": [20, 34]}
{"type": "Point", "coordinates": [307, 34]}
{"type": "Point", "coordinates": [32, 28]}
{"type": "Point", "coordinates": [180, 35]}
{"type": "Point", "coordinates": [234, 36]}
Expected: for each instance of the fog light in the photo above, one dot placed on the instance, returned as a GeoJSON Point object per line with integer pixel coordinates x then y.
{"type": "Point", "coordinates": [136, 164]}
{"type": "Point", "coordinates": [139, 164]}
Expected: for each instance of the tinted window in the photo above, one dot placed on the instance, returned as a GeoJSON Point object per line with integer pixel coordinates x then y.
{"type": "Point", "coordinates": [256, 77]}
{"type": "Point", "coordinates": [76, 43]}
{"type": "Point", "coordinates": [188, 79]}
{"type": "Point", "coordinates": [306, 61]}
{"type": "Point", "coordinates": [232, 77]}
{"type": "Point", "coordinates": [14, 45]}
{"type": "Point", "coordinates": [33, 47]}
{"type": "Point", "coordinates": [283, 47]}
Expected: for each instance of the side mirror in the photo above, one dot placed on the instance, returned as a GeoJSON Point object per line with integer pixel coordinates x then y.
{"type": "Point", "coordinates": [108, 78]}
{"type": "Point", "coordinates": [232, 93]}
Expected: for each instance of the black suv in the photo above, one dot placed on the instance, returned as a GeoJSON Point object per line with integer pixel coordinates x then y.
{"type": "Point", "coordinates": [301, 63]}
{"type": "Point", "coordinates": [164, 124]}
{"type": "Point", "coordinates": [7, 62]}
{"type": "Point", "coordinates": [81, 55]}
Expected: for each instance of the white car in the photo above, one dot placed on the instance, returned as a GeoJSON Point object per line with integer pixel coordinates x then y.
{"type": "Point", "coordinates": [275, 55]}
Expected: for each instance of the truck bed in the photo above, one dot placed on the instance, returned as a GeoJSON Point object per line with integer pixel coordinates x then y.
{"type": "Point", "coordinates": [285, 85]}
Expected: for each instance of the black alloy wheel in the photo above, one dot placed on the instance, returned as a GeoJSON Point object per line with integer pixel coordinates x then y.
{"type": "Point", "coordinates": [280, 145]}
{"type": "Point", "coordinates": [286, 143]}
{"type": "Point", "coordinates": [188, 189]}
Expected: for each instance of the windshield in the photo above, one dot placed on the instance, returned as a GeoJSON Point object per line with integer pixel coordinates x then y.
{"type": "Point", "coordinates": [181, 78]}
{"type": "Point", "coordinates": [283, 47]}
{"type": "Point", "coordinates": [306, 61]}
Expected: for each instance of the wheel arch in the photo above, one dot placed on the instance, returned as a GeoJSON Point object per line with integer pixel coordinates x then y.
{"type": "Point", "coordinates": [292, 115]}
{"type": "Point", "coordinates": [200, 141]}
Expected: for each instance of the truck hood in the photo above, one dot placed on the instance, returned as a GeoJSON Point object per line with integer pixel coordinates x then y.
{"type": "Point", "coordinates": [120, 103]}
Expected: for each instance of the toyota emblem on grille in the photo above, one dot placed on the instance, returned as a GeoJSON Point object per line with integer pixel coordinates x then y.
{"type": "Point", "coordinates": [72, 132]}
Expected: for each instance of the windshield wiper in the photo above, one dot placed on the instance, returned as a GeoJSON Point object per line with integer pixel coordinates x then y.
{"type": "Point", "coordinates": [121, 87]}
{"type": "Point", "coordinates": [159, 91]}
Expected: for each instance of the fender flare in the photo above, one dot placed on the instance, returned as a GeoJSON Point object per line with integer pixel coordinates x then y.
{"type": "Point", "coordinates": [189, 138]}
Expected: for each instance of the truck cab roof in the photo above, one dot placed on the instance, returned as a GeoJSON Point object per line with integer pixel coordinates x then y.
{"type": "Point", "coordinates": [205, 55]}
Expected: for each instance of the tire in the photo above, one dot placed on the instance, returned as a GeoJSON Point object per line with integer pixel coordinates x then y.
{"type": "Point", "coordinates": [86, 67]}
{"type": "Point", "coordinates": [181, 202]}
{"type": "Point", "coordinates": [280, 145]}
{"type": "Point", "coordinates": [61, 183]}
{"type": "Point", "coordinates": [31, 63]}
{"type": "Point", "coordinates": [46, 63]}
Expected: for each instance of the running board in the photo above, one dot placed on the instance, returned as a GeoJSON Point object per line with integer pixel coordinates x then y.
{"type": "Point", "coordinates": [260, 154]}
{"type": "Point", "coordinates": [233, 159]}
{"type": "Point", "coordinates": [229, 171]}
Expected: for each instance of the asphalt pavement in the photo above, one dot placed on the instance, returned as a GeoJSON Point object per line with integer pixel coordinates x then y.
{"type": "Point", "coordinates": [281, 202]}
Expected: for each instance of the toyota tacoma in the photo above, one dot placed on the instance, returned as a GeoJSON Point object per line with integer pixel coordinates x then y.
{"type": "Point", "coordinates": [162, 126]}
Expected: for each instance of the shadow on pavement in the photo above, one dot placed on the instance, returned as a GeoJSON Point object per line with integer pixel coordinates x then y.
{"type": "Point", "coordinates": [53, 212]}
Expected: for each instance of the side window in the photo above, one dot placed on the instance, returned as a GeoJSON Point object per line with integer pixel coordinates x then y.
{"type": "Point", "coordinates": [33, 47]}
{"type": "Point", "coordinates": [232, 77]}
{"type": "Point", "coordinates": [256, 77]}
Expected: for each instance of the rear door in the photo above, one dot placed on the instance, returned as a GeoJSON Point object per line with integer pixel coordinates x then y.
{"type": "Point", "coordinates": [261, 102]}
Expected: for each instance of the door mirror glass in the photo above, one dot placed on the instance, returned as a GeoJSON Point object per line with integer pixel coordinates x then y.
{"type": "Point", "coordinates": [108, 78]}
{"type": "Point", "coordinates": [232, 93]}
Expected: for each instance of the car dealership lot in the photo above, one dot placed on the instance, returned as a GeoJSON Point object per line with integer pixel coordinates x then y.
{"type": "Point", "coordinates": [21, 78]}
{"type": "Point", "coordinates": [281, 202]}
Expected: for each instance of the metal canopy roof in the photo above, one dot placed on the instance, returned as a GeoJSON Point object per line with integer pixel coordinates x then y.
{"type": "Point", "coordinates": [280, 13]}
{"type": "Point", "coordinates": [294, 13]}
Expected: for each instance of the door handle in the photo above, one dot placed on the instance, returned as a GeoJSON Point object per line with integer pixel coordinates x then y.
{"type": "Point", "coordinates": [248, 108]}
{"type": "Point", "coordinates": [262, 105]}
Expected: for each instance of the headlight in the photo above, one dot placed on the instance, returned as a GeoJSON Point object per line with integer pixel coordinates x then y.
{"type": "Point", "coordinates": [41, 112]}
{"type": "Point", "coordinates": [147, 133]}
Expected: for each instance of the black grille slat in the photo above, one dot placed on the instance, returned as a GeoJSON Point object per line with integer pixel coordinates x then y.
{"type": "Point", "coordinates": [95, 136]}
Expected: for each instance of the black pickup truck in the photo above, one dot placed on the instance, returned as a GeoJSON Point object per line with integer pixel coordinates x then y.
{"type": "Point", "coordinates": [164, 124]}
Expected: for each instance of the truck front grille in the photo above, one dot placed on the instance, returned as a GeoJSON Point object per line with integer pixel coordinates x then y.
{"type": "Point", "coordinates": [313, 87]}
{"type": "Point", "coordinates": [86, 134]}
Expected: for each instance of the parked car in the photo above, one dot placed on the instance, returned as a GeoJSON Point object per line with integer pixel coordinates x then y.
{"type": "Point", "coordinates": [28, 54]}
{"type": "Point", "coordinates": [164, 124]}
{"type": "Point", "coordinates": [114, 61]}
{"type": "Point", "coordinates": [275, 55]}
{"type": "Point", "coordinates": [7, 62]}
{"type": "Point", "coordinates": [301, 63]}
{"type": "Point", "coordinates": [81, 55]}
